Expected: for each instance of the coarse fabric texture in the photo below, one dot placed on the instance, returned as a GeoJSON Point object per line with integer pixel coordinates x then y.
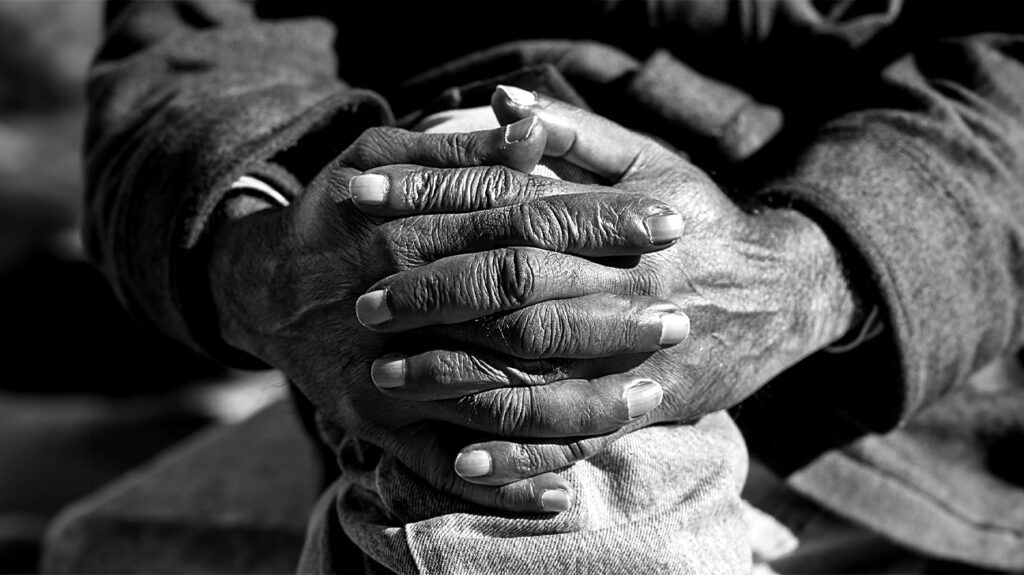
{"type": "Point", "coordinates": [637, 512]}
{"type": "Point", "coordinates": [903, 136]}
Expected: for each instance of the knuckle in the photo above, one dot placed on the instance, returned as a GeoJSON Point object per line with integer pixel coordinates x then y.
{"type": "Point", "coordinates": [533, 187]}
{"type": "Point", "coordinates": [457, 368]}
{"type": "Point", "coordinates": [496, 185]}
{"type": "Point", "coordinates": [516, 278]}
{"type": "Point", "coordinates": [444, 369]}
{"type": "Point", "coordinates": [525, 460]}
{"type": "Point", "coordinates": [511, 411]}
{"type": "Point", "coordinates": [644, 280]}
{"type": "Point", "coordinates": [398, 244]}
{"type": "Point", "coordinates": [421, 188]}
{"type": "Point", "coordinates": [544, 225]}
{"type": "Point", "coordinates": [541, 331]}
{"type": "Point", "coordinates": [424, 294]}
{"type": "Point", "coordinates": [458, 148]}
{"type": "Point", "coordinates": [372, 147]}
{"type": "Point", "coordinates": [610, 222]}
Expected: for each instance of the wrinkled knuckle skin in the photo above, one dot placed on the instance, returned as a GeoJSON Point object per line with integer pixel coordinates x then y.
{"type": "Point", "coordinates": [459, 149]}
{"type": "Point", "coordinates": [456, 369]}
{"type": "Point", "coordinates": [547, 226]}
{"type": "Point", "coordinates": [496, 184]}
{"type": "Point", "coordinates": [525, 461]}
{"type": "Point", "coordinates": [443, 369]}
{"type": "Point", "coordinates": [419, 188]}
{"type": "Point", "coordinates": [541, 332]}
{"type": "Point", "coordinates": [645, 280]}
{"type": "Point", "coordinates": [396, 245]}
{"type": "Point", "coordinates": [510, 411]}
{"type": "Point", "coordinates": [372, 148]}
{"type": "Point", "coordinates": [515, 276]}
{"type": "Point", "coordinates": [424, 295]}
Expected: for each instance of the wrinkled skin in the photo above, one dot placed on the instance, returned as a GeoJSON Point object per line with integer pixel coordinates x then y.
{"type": "Point", "coordinates": [522, 307]}
{"type": "Point", "coordinates": [763, 290]}
{"type": "Point", "coordinates": [285, 284]}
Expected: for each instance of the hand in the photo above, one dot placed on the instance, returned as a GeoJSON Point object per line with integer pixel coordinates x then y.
{"type": "Point", "coordinates": [285, 282]}
{"type": "Point", "coordinates": [764, 288]}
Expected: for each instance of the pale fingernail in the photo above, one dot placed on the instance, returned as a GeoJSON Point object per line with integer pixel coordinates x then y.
{"type": "Point", "coordinates": [675, 327]}
{"type": "Point", "coordinates": [642, 398]}
{"type": "Point", "coordinates": [517, 96]}
{"type": "Point", "coordinates": [664, 228]}
{"type": "Point", "coordinates": [473, 464]}
{"type": "Point", "coordinates": [369, 189]}
{"type": "Point", "coordinates": [554, 500]}
{"type": "Point", "coordinates": [520, 130]}
{"type": "Point", "coordinates": [388, 371]}
{"type": "Point", "coordinates": [372, 309]}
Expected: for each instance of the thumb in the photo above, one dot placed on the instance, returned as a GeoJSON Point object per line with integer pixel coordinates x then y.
{"type": "Point", "coordinates": [586, 139]}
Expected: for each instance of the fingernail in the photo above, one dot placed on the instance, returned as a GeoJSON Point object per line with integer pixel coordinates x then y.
{"type": "Point", "coordinates": [371, 309]}
{"type": "Point", "coordinates": [473, 464]}
{"type": "Point", "coordinates": [643, 398]}
{"type": "Point", "coordinates": [369, 189]}
{"type": "Point", "coordinates": [517, 96]}
{"type": "Point", "coordinates": [554, 500]}
{"type": "Point", "coordinates": [520, 130]}
{"type": "Point", "coordinates": [664, 228]}
{"type": "Point", "coordinates": [389, 371]}
{"type": "Point", "coordinates": [675, 327]}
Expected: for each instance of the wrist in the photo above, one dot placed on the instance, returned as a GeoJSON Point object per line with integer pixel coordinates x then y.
{"type": "Point", "coordinates": [819, 293]}
{"type": "Point", "coordinates": [240, 243]}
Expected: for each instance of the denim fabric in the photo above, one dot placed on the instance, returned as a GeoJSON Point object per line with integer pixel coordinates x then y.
{"type": "Point", "coordinates": [905, 132]}
{"type": "Point", "coordinates": [661, 500]}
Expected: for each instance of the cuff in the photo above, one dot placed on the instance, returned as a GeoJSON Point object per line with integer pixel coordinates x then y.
{"type": "Point", "coordinates": [253, 182]}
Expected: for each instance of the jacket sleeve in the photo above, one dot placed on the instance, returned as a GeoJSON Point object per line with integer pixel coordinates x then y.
{"type": "Point", "coordinates": [926, 184]}
{"type": "Point", "coordinates": [185, 97]}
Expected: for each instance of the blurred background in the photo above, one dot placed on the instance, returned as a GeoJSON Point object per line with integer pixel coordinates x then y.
{"type": "Point", "coordinates": [84, 394]}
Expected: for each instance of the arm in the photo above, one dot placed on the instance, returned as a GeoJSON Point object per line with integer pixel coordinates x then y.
{"type": "Point", "coordinates": [185, 98]}
{"type": "Point", "coordinates": [918, 184]}
{"type": "Point", "coordinates": [189, 96]}
{"type": "Point", "coordinates": [917, 201]}
{"type": "Point", "coordinates": [928, 189]}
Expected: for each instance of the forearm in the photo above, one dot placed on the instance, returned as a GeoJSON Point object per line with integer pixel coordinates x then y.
{"type": "Point", "coordinates": [185, 98]}
{"type": "Point", "coordinates": [927, 194]}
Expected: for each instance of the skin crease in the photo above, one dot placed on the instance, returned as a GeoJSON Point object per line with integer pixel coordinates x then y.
{"type": "Point", "coordinates": [284, 283]}
{"type": "Point", "coordinates": [762, 291]}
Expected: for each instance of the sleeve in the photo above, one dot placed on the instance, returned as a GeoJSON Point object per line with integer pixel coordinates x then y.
{"type": "Point", "coordinates": [926, 185]}
{"type": "Point", "coordinates": [186, 97]}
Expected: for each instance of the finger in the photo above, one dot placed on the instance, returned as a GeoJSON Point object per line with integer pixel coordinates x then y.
{"type": "Point", "coordinates": [467, 286]}
{"type": "Point", "coordinates": [429, 450]}
{"type": "Point", "coordinates": [440, 374]}
{"type": "Point", "coordinates": [586, 139]}
{"type": "Point", "coordinates": [588, 224]}
{"type": "Point", "coordinates": [405, 189]}
{"type": "Point", "coordinates": [568, 408]}
{"type": "Point", "coordinates": [593, 326]}
{"type": "Point", "coordinates": [507, 462]}
{"type": "Point", "coordinates": [518, 145]}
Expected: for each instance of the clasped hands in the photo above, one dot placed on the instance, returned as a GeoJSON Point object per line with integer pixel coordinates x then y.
{"type": "Point", "coordinates": [489, 327]}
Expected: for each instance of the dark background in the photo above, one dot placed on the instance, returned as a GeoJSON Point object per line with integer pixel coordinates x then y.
{"type": "Point", "coordinates": [84, 394]}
